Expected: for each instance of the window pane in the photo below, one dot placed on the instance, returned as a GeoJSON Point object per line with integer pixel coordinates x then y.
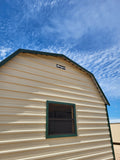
{"type": "Point", "coordinates": [51, 111]}
{"type": "Point", "coordinates": [61, 127]}
{"type": "Point", "coordinates": [51, 129]}
{"type": "Point", "coordinates": [60, 112]}
{"type": "Point", "coordinates": [69, 112]}
{"type": "Point", "coordinates": [60, 119]}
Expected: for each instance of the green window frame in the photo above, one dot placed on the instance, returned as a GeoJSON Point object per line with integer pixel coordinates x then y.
{"type": "Point", "coordinates": [47, 120]}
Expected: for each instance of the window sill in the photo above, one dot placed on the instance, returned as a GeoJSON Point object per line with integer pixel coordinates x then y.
{"type": "Point", "coordinates": [63, 135]}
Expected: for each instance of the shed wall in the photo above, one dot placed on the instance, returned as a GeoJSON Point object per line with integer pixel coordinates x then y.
{"type": "Point", "coordinates": [26, 83]}
{"type": "Point", "coordinates": [115, 128]}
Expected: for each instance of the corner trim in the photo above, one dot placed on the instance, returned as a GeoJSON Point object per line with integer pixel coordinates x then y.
{"type": "Point", "coordinates": [110, 133]}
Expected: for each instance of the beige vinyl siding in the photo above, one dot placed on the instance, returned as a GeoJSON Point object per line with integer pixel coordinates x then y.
{"type": "Point", "coordinates": [117, 151]}
{"type": "Point", "coordinates": [115, 129]}
{"type": "Point", "coordinates": [26, 83]}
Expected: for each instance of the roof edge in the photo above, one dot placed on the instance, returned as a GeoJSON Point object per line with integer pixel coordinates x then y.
{"type": "Point", "coordinates": [93, 77]}
{"type": "Point", "coordinates": [9, 57]}
{"type": "Point", "coordinates": [56, 55]}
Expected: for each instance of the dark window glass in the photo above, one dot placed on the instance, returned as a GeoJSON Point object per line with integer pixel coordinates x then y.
{"type": "Point", "coordinates": [60, 119]}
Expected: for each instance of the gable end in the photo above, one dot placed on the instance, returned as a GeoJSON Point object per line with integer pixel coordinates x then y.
{"type": "Point", "coordinates": [64, 57]}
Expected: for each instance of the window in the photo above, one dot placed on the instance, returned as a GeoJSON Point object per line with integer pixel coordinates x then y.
{"type": "Point", "coordinates": [60, 120]}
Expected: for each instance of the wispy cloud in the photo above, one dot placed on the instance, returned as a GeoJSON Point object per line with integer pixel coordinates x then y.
{"type": "Point", "coordinates": [86, 25]}
{"type": "Point", "coordinates": [35, 7]}
{"type": "Point", "coordinates": [89, 34]}
{"type": "Point", "coordinates": [80, 24]}
{"type": "Point", "coordinates": [105, 65]}
{"type": "Point", "coordinates": [3, 52]}
{"type": "Point", "coordinates": [114, 120]}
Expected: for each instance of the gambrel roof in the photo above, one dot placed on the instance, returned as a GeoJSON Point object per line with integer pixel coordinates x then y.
{"type": "Point", "coordinates": [65, 58]}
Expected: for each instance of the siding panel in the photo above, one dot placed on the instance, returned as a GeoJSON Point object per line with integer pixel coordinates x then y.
{"type": "Point", "coordinates": [26, 83]}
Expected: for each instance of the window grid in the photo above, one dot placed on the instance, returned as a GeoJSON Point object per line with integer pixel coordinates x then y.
{"type": "Point", "coordinates": [67, 116]}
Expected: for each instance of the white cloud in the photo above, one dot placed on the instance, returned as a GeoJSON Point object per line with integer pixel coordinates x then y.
{"type": "Point", "coordinates": [51, 3]}
{"type": "Point", "coordinates": [114, 120]}
{"type": "Point", "coordinates": [34, 6]}
{"type": "Point", "coordinates": [71, 20]}
{"type": "Point", "coordinates": [3, 52]}
{"type": "Point", "coordinates": [83, 17]}
{"type": "Point", "coordinates": [105, 65]}
{"type": "Point", "coordinates": [53, 49]}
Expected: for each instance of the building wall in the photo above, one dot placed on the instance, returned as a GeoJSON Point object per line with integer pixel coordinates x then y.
{"type": "Point", "coordinates": [26, 83]}
{"type": "Point", "coordinates": [115, 128]}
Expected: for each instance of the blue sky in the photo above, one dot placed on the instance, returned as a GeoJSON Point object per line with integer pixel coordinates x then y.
{"type": "Point", "coordinates": [87, 31]}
